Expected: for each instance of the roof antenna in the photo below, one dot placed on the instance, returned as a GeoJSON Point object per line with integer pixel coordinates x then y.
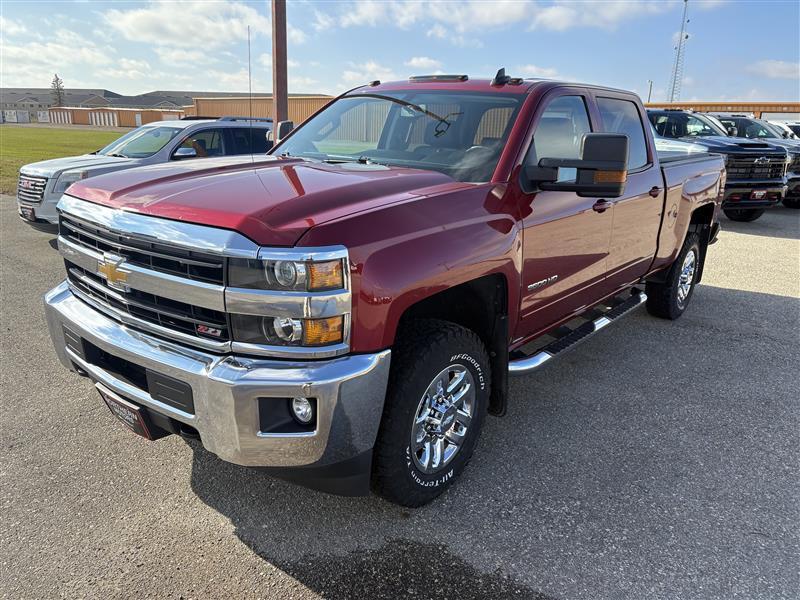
{"type": "Point", "coordinates": [250, 97]}
{"type": "Point", "coordinates": [501, 78]}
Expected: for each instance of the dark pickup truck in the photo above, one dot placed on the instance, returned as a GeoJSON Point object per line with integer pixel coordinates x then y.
{"type": "Point", "coordinates": [757, 129]}
{"type": "Point", "coordinates": [756, 169]}
{"type": "Point", "coordinates": [347, 310]}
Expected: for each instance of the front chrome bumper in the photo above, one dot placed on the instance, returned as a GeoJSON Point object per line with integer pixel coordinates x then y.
{"type": "Point", "coordinates": [350, 390]}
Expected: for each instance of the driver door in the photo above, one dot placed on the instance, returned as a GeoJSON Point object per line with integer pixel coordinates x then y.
{"type": "Point", "coordinates": [566, 238]}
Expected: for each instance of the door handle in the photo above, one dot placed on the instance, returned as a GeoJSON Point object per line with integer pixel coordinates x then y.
{"type": "Point", "coordinates": [655, 191]}
{"type": "Point", "coordinates": [601, 206]}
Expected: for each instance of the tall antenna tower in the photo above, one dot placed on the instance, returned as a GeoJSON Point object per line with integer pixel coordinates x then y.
{"type": "Point", "coordinates": [680, 52]}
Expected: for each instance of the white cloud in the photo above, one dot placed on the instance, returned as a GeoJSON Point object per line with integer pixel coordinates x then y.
{"type": "Point", "coordinates": [295, 35]}
{"type": "Point", "coordinates": [190, 24]}
{"type": "Point", "coordinates": [126, 68]}
{"type": "Point", "coordinates": [563, 14]}
{"type": "Point", "coordinates": [423, 62]}
{"type": "Point", "coordinates": [323, 21]}
{"type": "Point", "coordinates": [536, 71]}
{"type": "Point", "coordinates": [9, 27]}
{"type": "Point", "coordinates": [775, 69]}
{"type": "Point", "coordinates": [360, 73]}
{"type": "Point", "coordinates": [183, 56]}
{"type": "Point", "coordinates": [453, 20]}
{"type": "Point", "coordinates": [32, 62]}
{"type": "Point", "coordinates": [301, 84]}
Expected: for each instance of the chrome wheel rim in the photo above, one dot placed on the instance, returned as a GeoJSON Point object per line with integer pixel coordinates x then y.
{"type": "Point", "coordinates": [686, 278]}
{"type": "Point", "coordinates": [442, 419]}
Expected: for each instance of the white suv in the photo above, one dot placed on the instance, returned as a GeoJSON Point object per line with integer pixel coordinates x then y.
{"type": "Point", "coordinates": [42, 184]}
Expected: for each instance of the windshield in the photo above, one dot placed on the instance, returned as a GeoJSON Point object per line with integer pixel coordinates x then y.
{"type": "Point", "coordinates": [141, 142]}
{"type": "Point", "coordinates": [678, 125]}
{"type": "Point", "coordinates": [749, 128]}
{"type": "Point", "coordinates": [459, 134]}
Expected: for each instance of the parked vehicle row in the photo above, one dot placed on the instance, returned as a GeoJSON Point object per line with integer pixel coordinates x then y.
{"type": "Point", "coordinates": [763, 166]}
{"type": "Point", "coordinates": [347, 308]}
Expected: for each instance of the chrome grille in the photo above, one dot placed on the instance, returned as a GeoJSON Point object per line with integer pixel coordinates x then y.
{"type": "Point", "coordinates": [31, 188]}
{"type": "Point", "coordinates": [794, 166]}
{"type": "Point", "coordinates": [177, 316]}
{"type": "Point", "coordinates": [746, 167]}
{"type": "Point", "coordinates": [151, 255]}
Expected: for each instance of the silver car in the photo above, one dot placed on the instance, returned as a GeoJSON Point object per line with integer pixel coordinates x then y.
{"type": "Point", "coordinates": [42, 184]}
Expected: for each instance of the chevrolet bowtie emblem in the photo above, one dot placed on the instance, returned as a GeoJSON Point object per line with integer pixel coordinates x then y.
{"type": "Point", "coordinates": [110, 268]}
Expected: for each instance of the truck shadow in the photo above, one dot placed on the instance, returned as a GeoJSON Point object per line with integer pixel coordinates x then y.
{"type": "Point", "coordinates": [778, 222]}
{"type": "Point", "coordinates": [602, 472]}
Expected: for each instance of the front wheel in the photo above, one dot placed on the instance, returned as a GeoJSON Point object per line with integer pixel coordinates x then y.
{"type": "Point", "coordinates": [791, 202]}
{"type": "Point", "coordinates": [744, 215]}
{"type": "Point", "coordinates": [435, 404]}
{"type": "Point", "coordinates": [669, 299]}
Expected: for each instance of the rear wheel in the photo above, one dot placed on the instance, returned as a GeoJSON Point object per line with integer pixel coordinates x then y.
{"type": "Point", "coordinates": [437, 399]}
{"type": "Point", "coordinates": [743, 214]}
{"type": "Point", "coordinates": [791, 202]}
{"type": "Point", "coordinates": [669, 299]}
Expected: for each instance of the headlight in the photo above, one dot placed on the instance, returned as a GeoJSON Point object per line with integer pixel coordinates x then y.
{"type": "Point", "coordinates": [67, 178]}
{"type": "Point", "coordinates": [295, 298]}
{"type": "Point", "coordinates": [287, 275]}
{"type": "Point", "coordinates": [285, 331]}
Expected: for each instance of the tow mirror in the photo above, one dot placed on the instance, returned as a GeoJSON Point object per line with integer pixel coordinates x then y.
{"type": "Point", "coordinates": [733, 132]}
{"type": "Point", "coordinates": [182, 153]}
{"type": "Point", "coordinates": [283, 129]}
{"type": "Point", "coordinates": [602, 169]}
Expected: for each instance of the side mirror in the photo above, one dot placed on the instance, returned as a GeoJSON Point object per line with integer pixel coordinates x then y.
{"type": "Point", "coordinates": [602, 169]}
{"type": "Point", "coordinates": [182, 153]}
{"type": "Point", "coordinates": [733, 132]}
{"type": "Point", "coordinates": [283, 129]}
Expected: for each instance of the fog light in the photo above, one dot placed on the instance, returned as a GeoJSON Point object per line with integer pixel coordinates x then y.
{"type": "Point", "coordinates": [302, 410]}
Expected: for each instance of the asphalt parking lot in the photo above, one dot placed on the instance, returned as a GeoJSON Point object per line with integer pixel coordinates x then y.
{"type": "Point", "coordinates": [658, 460]}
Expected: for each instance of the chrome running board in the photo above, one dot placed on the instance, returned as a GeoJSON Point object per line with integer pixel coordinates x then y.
{"type": "Point", "coordinates": [522, 364]}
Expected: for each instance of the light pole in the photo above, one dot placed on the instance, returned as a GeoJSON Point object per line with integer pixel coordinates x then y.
{"type": "Point", "coordinates": [649, 89]}
{"type": "Point", "coordinates": [280, 95]}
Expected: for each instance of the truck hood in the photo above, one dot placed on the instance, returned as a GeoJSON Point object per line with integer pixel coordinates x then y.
{"type": "Point", "coordinates": [271, 200]}
{"type": "Point", "coordinates": [49, 168]}
{"type": "Point", "coordinates": [719, 143]}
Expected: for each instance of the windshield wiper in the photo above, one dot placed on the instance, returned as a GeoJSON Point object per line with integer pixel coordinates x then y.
{"type": "Point", "coordinates": [117, 155]}
{"type": "Point", "coordinates": [334, 159]}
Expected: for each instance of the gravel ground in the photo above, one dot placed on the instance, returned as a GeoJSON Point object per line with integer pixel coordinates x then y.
{"type": "Point", "coordinates": [659, 460]}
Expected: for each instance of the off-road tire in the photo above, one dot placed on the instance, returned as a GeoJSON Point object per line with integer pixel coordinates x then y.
{"type": "Point", "coordinates": [662, 298]}
{"type": "Point", "coordinates": [791, 202]}
{"type": "Point", "coordinates": [743, 215]}
{"type": "Point", "coordinates": [424, 348]}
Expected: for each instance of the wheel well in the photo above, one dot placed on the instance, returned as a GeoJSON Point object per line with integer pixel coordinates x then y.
{"type": "Point", "coordinates": [702, 217]}
{"type": "Point", "coordinates": [701, 224]}
{"type": "Point", "coordinates": [480, 305]}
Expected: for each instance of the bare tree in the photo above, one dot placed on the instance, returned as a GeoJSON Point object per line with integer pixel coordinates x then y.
{"type": "Point", "coordinates": [58, 90]}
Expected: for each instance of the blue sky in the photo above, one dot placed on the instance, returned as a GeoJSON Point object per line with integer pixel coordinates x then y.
{"type": "Point", "coordinates": [737, 50]}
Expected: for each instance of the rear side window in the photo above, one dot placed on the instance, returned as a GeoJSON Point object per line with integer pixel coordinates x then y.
{"type": "Point", "coordinates": [560, 131]}
{"type": "Point", "coordinates": [622, 116]}
{"type": "Point", "coordinates": [249, 140]}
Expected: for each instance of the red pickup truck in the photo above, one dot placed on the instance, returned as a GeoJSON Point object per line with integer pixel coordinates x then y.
{"type": "Point", "coordinates": [348, 309]}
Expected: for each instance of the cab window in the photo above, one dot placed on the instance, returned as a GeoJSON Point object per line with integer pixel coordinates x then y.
{"type": "Point", "coordinates": [559, 133]}
{"type": "Point", "coordinates": [206, 143]}
{"type": "Point", "coordinates": [622, 116]}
